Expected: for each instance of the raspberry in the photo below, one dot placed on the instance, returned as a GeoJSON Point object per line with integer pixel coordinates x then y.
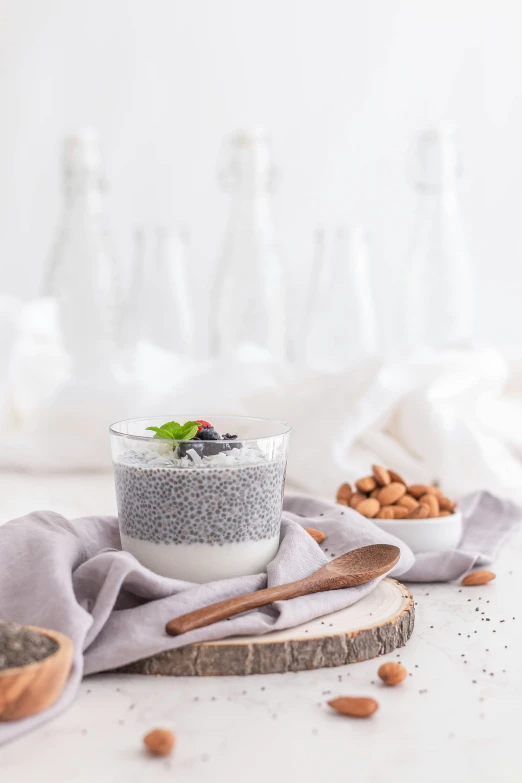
{"type": "Point", "coordinates": [203, 424]}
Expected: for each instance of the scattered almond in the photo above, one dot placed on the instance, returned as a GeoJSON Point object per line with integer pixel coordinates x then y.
{"type": "Point", "coordinates": [160, 742]}
{"type": "Point", "coordinates": [420, 489]}
{"type": "Point", "coordinates": [400, 512]}
{"type": "Point", "coordinates": [317, 535]}
{"type": "Point", "coordinates": [409, 501]}
{"type": "Point", "coordinates": [421, 512]}
{"type": "Point", "coordinates": [432, 502]}
{"type": "Point", "coordinates": [392, 673]}
{"type": "Point", "coordinates": [369, 507]}
{"type": "Point", "coordinates": [391, 494]}
{"type": "Point", "coordinates": [344, 493]}
{"type": "Point", "coordinates": [478, 578]}
{"type": "Point", "coordinates": [396, 477]}
{"type": "Point", "coordinates": [366, 484]}
{"type": "Point", "coordinates": [356, 707]}
{"type": "Point", "coordinates": [382, 477]}
{"type": "Point", "coordinates": [357, 498]}
{"type": "Point", "coordinates": [386, 512]}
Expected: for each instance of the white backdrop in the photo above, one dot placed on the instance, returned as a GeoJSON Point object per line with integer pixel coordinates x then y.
{"type": "Point", "coordinates": [341, 86]}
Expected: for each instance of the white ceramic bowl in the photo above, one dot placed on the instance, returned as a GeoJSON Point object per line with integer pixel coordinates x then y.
{"type": "Point", "coordinates": [426, 535]}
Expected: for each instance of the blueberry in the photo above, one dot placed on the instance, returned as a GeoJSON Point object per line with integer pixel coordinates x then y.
{"type": "Point", "coordinates": [232, 445]}
{"type": "Point", "coordinates": [208, 433]}
{"type": "Point", "coordinates": [215, 448]}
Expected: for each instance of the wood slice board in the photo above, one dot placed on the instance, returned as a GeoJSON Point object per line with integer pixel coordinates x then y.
{"type": "Point", "coordinates": [376, 625]}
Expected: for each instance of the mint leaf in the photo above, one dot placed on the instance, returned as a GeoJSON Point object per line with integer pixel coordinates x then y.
{"type": "Point", "coordinates": [161, 432]}
{"type": "Point", "coordinates": [188, 430]}
{"type": "Point", "coordinates": [172, 430]}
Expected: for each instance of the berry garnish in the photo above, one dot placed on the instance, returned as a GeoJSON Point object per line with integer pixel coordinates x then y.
{"type": "Point", "coordinates": [200, 431]}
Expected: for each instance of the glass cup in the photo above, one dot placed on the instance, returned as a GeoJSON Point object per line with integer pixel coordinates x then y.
{"type": "Point", "coordinates": [201, 510]}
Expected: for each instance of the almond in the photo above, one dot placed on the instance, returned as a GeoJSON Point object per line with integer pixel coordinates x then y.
{"type": "Point", "coordinates": [396, 477]}
{"type": "Point", "coordinates": [432, 503]}
{"type": "Point", "coordinates": [392, 673]}
{"type": "Point", "coordinates": [344, 493]}
{"type": "Point", "coordinates": [444, 513]}
{"type": "Point", "coordinates": [478, 578]}
{"type": "Point", "coordinates": [375, 492]}
{"type": "Point", "coordinates": [420, 489]}
{"type": "Point", "coordinates": [367, 484]}
{"type": "Point", "coordinates": [386, 512]}
{"type": "Point", "coordinates": [421, 512]}
{"type": "Point", "coordinates": [445, 504]}
{"type": "Point", "coordinates": [381, 475]}
{"type": "Point", "coordinates": [356, 498]}
{"type": "Point", "coordinates": [408, 501]}
{"type": "Point", "coordinates": [160, 742]}
{"type": "Point", "coordinates": [400, 512]}
{"type": "Point", "coordinates": [317, 535]}
{"type": "Point", "coordinates": [391, 494]}
{"type": "Point", "coordinates": [356, 707]}
{"type": "Point", "coordinates": [368, 507]}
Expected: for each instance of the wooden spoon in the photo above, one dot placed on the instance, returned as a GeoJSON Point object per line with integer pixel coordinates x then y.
{"type": "Point", "coordinates": [354, 568]}
{"type": "Point", "coordinates": [26, 690]}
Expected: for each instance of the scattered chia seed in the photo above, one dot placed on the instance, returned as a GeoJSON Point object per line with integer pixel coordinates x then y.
{"type": "Point", "coordinates": [20, 646]}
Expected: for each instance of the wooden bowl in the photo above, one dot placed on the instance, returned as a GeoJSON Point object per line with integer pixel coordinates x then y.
{"type": "Point", "coordinates": [26, 690]}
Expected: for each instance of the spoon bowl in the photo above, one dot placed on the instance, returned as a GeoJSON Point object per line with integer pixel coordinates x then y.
{"type": "Point", "coordinates": [353, 568]}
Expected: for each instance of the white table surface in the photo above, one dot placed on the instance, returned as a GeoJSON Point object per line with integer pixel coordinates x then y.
{"type": "Point", "coordinates": [455, 719]}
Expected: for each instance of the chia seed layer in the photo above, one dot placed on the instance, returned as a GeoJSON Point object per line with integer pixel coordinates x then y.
{"type": "Point", "coordinates": [210, 505]}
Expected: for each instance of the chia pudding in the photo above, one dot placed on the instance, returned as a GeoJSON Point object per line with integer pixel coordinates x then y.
{"type": "Point", "coordinates": [200, 510]}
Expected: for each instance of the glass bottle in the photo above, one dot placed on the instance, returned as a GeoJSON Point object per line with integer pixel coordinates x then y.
{"type": "Point", "coordinates": [160, 307]}
{"type": "Point", "coordinates": [438, 281]}
{"type": "Point", "coordinates": [82, 275]}
{"type": "Point", "coordinates": [249, 292]}
{"type": "Point", "coordinates": [339, 323]}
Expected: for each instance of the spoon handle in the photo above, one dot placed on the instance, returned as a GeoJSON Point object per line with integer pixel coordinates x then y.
{"type": "Point", "coordinates": [241, 603]}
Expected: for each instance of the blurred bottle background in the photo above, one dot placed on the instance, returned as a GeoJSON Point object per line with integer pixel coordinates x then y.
{"type": "Point", "coordinates": [438, 277]}
{"type": "Point", "coordinates": [248, 300]}
{"type": "Point", "coordinates": [82, 275]}
{"type": "Point", "coordinates": [339, 325]}
{"type": "Point", "coordinates": [160, 305]}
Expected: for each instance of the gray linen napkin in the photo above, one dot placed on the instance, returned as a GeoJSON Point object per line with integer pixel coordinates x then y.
{"type": "Point", "coordinates": [74, 578]}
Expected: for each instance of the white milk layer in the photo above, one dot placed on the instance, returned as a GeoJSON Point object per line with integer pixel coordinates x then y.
{"type": "Point", "coordinates": [203, 562]}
